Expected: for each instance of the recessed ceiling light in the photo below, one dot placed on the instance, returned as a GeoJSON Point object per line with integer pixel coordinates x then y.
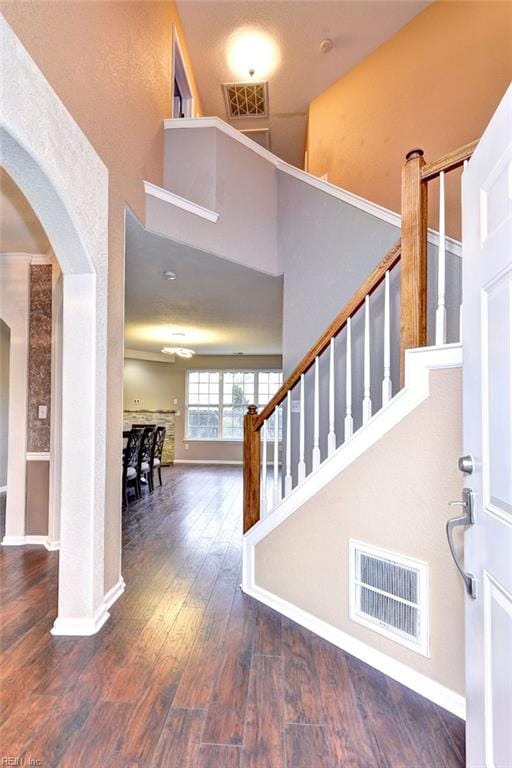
{"type": "Point", "coordinates": [180, 351]}
{"type": "Point", "coordinates": [237, 353]}
{"type": "Point", "coordinates": [170, 275]}
{"type": "Point", "coordinates": [177, 333]}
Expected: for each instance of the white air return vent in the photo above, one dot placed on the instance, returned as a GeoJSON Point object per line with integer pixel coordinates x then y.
{"type": "Point", "coordinates": [260, 135]}
{"type": "Point", "coordinates": [246, 99]}
{"type": "Point", "coordinates": [389, 594]}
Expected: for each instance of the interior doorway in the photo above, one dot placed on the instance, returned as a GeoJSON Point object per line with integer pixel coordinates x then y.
{"type": "Point", "coordinates": [182, 97]}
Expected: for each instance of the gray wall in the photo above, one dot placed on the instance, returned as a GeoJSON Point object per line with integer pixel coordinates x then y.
{"type": "Point", "coordinates": [162, 386]}
{"type": "Point", "coordinates": [5, 345]}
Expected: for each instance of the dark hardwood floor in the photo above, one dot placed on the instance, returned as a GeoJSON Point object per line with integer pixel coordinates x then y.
{"type": "Point", "coordinates": [189, 672]}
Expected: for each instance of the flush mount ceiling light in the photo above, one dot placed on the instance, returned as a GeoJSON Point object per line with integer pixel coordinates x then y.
{"type": "Point", "coordinates": [178, 333]}
{"type": "Point", "coordinates": [170, 275]}
{"type": "Point", "coordinates": [250, 51]}
{"type": "Point", "coordinates": [180, 351]}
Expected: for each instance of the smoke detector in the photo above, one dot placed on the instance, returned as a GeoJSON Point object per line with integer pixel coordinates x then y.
{"type": "Point", "coordinates": [246, 99]}
{"type": "Point", "coordinates": [326, 45]}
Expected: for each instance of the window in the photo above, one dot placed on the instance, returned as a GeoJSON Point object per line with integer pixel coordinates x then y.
{"type": "Point", "coordinates": [218, 400]}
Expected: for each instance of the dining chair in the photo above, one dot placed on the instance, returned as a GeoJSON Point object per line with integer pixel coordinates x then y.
{"type": "Point", "coordinates": [130, 462]}
{"type": "Point", "coordinates": [144, 459]}
{"type": "Point", "coordinates": [156, 454]}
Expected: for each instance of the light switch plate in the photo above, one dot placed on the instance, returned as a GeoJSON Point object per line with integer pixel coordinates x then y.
{"type": "Point", "coordinates": [42, 412]}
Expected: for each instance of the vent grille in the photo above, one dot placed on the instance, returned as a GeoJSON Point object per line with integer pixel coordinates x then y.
{"type": "Point", "coordinates": [389, 594]}
{"type": "Point", "coordinates": [246, 99]}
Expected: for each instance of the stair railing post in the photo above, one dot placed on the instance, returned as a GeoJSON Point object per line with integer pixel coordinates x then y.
{"type": "Point", "coordinates": [251, 469]}
{"type": "Point", "coordinates": [413, 281]}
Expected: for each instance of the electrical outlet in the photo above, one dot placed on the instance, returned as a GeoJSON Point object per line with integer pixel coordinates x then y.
{"type": "Point", "coordinates": [186, 446]}
{"type": "Point", "coordinates": [136, 400]}
{"type": "Point", "coordinates": [175, 401]}
{"type": "Point", "coordinates": [42, 412]}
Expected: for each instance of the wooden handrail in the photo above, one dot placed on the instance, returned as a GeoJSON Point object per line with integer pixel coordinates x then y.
{"type": "Point", "coordinates": [353, 304]}
{"type": "Point", "coordinates": [448, 162]}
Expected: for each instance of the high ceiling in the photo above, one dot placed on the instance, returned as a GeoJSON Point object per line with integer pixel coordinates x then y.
{"type": "Point", "coordinates": [20, 229]}
{"type": "Point", "coordinates": [220, 307]}
{"type": "Point", "coordinates": [297, 27]}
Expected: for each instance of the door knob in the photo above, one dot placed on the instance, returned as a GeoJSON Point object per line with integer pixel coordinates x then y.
{"type": "Point", "coordinates": [466, 464]}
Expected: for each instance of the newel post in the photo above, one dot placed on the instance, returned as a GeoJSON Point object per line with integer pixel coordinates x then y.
{"type": "Point", "coordinates": [413, 285]}
{"type": "Point", "coordinates": [251, 469]}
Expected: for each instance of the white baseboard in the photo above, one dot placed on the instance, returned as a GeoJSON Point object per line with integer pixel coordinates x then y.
{"type": "Point", "coordinates": [3, 489]}
{"type": "Point", "coordinates": [113, 594]}
{"type": "Point", "coordinates": [425, 686]}
{"type": "Point", "coordinates": [207, 461]}
{"type": "Point", "coordinates": [13, 541]}
{"type": "Point", "coordinates": [33, 540]}
{"type": "Point", "coordinates": [83, 626]}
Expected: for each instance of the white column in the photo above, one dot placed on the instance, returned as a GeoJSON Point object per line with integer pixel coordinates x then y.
{"type": "Point", "coordinates": [276, 497]}
{"type": "Point", "coordinates": [288, 475]}
{"type": "Point", "coordinates": [331, 437]}
{"type": "Point", "coordinates": [386, 381]}
{"type": "Point", "coordinates": [81, 610]}
{"type": "Point", "coordinates": [349, 421]}
{"type": "Point", "coordinates": [441, 269]}
{"type": "Point", "coordinates": [367, 403]}
{"type": "Point", "coordinates": [316, 417]}
{"type": "Point", "coordinates": [302, 434]}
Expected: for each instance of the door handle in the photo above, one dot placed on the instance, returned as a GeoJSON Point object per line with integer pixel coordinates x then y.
{"type": "Point", "coordinates": [468, 518]}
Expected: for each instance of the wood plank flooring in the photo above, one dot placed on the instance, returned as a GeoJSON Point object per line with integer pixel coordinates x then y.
{"type": "Point", "coordinates": [189, 672]}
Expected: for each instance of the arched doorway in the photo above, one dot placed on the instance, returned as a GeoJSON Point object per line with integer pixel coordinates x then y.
{"type": "Point", "coordinates": [66, 184]}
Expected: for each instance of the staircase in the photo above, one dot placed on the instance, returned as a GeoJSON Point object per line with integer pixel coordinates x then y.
{"type": "Point", "coordinates": [369, 372]}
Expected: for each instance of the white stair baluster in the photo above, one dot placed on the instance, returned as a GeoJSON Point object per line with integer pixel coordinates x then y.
{"type": "Point", "coordinates": [386, 382]}
{"type": "Point", "coordinates": [316, 417]}
{"type": "Point", "coordinates": [288, 475]}
{"type": "Point", "coordinates": [276, 497]}
{"type": "Point", "coordinates": [367, 403]}
{"type": "Point", "coordinates": [349, 421]}
{"type": "Point", "coordinates": [441, 269]}
{"type": "Point", "coordinates": [264, 499]}
{"type": "Point", "coordinates": [331, 437]}
{"type": "Point", "coordinates": [302, 434]}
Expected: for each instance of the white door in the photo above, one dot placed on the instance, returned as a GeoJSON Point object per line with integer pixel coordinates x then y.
{"type": "Point", "coordinates": [487, 341]}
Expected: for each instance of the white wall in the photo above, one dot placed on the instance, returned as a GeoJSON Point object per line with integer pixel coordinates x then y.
{"type": "Point", "coordinates": [14, 311]}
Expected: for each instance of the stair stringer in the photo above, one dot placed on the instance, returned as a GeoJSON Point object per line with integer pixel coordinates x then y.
{"type": "Point", "coordinates": [418, 364]}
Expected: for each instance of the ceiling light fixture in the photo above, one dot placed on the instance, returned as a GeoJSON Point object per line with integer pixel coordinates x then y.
{"type": "Point", "coordinates": [170, 275]}
{"type": "Point", "coordinates": [180, 351]}
{"type": "Point", "coordinates": [326, 45]}
{"type": "Point", "coordinates": [252, 51]}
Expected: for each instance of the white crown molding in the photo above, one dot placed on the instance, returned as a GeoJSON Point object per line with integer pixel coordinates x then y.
{"type": "Point", "coordinates": [180, 202]}
{"type": "Point", "coordinates": [391, 217]}
{"type": "Point", "coordinates": [157, 357]}
{"type": "Point", "coordinates": [38, 456]}
{"type": "Point", "coordinates": [425, 686]}
{"type": "Point", "coordinates": [113, 594]}
{"type": "Point", "coordinates": [84, 627]}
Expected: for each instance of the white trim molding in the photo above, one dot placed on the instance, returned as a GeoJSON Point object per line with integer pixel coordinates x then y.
{"type": "Point", "coordinates": [81, 626]}
{"type": "Point", "coordinates": [38, 456]}
{"type": "Point", "coordinates": [32, 539]}
{"type": "Point", "coordinates": [425, 686]}
{"type": "Point", "coordinates": [180, 202]}
{"type": "Point", "coordinates": [115, 593]}
{"type": "Point", "coordinates": [206, 461]}
{"type": "Point", "coordinates": [391, 217]}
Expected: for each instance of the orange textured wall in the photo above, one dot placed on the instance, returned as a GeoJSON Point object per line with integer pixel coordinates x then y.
{"type": "Point", "coordinates": [110, 64]}
{"type": "Point", "coordinates": [434, 85]}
